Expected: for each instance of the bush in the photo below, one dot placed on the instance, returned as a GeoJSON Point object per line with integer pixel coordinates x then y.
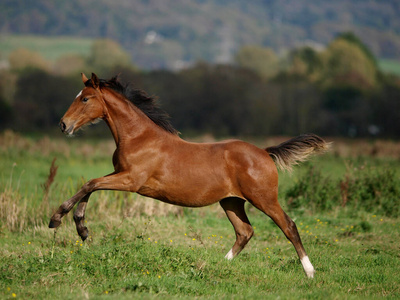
{"type": "Point", "coordinates": [375, 192]}
{"type": "Point", "coordinates": [362, 189]}
{"type": "Point", "coordinates": [313, 192]}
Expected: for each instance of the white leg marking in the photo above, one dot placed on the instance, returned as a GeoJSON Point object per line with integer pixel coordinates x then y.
{"type": "Point", "coordinates": [229, 256]}
{"type": "Point", "coordinates": [80, 93]}
{"type": "Point", "coordinates": [308, 267]}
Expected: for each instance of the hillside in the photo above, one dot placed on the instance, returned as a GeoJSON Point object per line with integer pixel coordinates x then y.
{"type": "Point", "coordinates": [162, 33]}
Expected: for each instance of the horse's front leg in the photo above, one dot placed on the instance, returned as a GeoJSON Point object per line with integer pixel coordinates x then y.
{"type": "Point", "coordinates": [65, 208]}
{"type": "Point", "coordinates": [119, 181]}
{"type": "Point", "coordinates": [79, 217]}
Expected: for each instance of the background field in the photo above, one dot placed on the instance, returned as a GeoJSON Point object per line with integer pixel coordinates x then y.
{"type": "Point", "coordinates": [52, 48]}
{"type": "Point", "coordinates": [143, 248]}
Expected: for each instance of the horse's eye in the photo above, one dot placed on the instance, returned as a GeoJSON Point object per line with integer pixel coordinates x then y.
{"type": "Point", "coordinates": [85, 99]}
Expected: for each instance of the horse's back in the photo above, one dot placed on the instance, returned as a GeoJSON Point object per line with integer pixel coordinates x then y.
{"type": "Point", "coordinates": [250, 160]}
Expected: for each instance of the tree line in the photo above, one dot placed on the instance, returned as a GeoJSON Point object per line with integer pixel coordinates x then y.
{"type": "Point", "coordinates": [193, 29]}
{"type": "Point", "coordinates": [339, 91]}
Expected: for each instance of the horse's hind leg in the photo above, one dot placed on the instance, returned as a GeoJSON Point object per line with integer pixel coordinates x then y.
{"type": "Point", "coordinates": [234, 209]}
{"type": "Point", "coordinates": [276, 213]}
{"type": "Point", "coordinates": [289, 228]}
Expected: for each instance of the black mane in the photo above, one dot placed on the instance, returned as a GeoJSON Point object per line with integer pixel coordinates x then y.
{"type": "Point", "coordinates": [141, 100]}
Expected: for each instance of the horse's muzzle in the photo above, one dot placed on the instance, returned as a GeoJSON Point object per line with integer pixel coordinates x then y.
{"type": "Point", "coordinates": [62, 126]}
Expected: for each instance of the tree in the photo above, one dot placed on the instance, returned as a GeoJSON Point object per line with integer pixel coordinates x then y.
{"type": "Point", "coordinates": [299, 102]}
{"type": "Point", "coordinates": [345, 63]}
{"type": "Point", "coordinates": [69, 64]}
{"type": "Point", "coordinates": [218, 99]}
{"type": "Point", "coordinates": [348, 76]}
{"type": "Point", "coordinates": [261, 60]}
{"type": "Point", "coordinates": [305, 62]}
{"type": "Point", "coordinates": [385, 108]}
{"type": "Point", "coordinates": [41, 99]}
{"type": "Point", "coordinates": [106, 54]}
{"type": "Point", "coordinates": [5, 113]}
{"type": "Point", "coordinates": [22, 58]}
{"type": "Point", "coordinates": [353, 39]}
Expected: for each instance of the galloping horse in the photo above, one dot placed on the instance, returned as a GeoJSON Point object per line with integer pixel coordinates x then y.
{"type": "Point", "coordinates": [152, 160]}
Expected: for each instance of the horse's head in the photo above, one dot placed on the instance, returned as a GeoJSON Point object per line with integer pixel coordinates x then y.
{"type": "Point", "coordinates": [88, 106]}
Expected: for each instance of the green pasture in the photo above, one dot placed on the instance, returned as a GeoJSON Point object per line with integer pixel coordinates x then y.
{"type": "Point", "coordinates": [142, 248]}
{"type": "Point", "coordinates": [50, 48]}
{"type": "Point", "coordinates": [390, 66]}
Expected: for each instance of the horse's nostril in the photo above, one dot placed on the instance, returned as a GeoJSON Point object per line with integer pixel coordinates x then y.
{"type": "Point", "coordinates": [62, 126]}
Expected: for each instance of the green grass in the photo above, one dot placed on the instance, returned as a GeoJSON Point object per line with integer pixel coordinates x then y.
{"type": "Point", "coordinates": [50, 48]}
{"type": "Point", "coordinates": [183, 257]}
{"type": "Point", "coordinates": [142, 248]}
{"type": "Point", "coordinates": [390, 66]}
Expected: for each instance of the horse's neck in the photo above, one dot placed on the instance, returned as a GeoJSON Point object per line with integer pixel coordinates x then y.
{"type": "Point", "coordinates": [126, 121]}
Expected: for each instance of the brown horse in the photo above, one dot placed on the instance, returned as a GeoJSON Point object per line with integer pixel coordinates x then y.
{"type": "Point", "coordinates": [150, 159]}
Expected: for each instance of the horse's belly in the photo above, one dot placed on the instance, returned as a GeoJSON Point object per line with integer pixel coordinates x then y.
{"type": "Point", "coordinates": [190, 193]}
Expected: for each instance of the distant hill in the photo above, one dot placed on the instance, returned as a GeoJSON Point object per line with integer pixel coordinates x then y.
{"type": "Point", "coordinates": [171, 33]}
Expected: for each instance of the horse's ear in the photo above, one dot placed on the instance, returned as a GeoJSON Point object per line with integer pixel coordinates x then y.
{"type": "Point", "coordinates": [95, 81]}
{"type": "Point", "coordinates": [84, 78]}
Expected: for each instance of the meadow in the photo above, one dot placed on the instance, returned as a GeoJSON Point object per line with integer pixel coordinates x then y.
{"type": "Point", "coordinates": [345, 204]}
{"type": "Point", "coordinates": [51, 48]}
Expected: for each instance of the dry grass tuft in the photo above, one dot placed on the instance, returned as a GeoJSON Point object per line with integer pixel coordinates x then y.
{"type": "Point", "coordinates": [13, 209]}
{"type": "Point", "coordinates": [46, 186]}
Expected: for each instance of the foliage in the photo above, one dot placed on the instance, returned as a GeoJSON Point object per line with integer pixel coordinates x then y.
{"type": "Point", "coordinates": [386, 107]}
{"type": "Point", "coordinates": [346, 63]}
{"type": "Point", "coordinates": [21, 59]}
{"type": "Point", "coordinates": [41, 99]}
{"type": "Point", "coordinates": [360, 189]}
{"type": "Point", "coordinates": [355, 40]}
{"type": "Point", "coordinates": [262, 60]}
{"type": "Point", "coordinates": [305, 62]}
{"type": "Point", "coordinates": [106, 54]}
{"type": "Point", "coordinates": [219, 96]}
{"type": "Point", "coordinates": [70, 65]}
{"type": "Point", "coordinates": [5, 114]}
{"type": "Point", "coordinates": [225, 100]}
{"type": "Point", "coordinates": [338, 91]}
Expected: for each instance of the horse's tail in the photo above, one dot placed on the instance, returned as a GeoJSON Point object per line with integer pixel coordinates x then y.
{"type": "Point", "coordinates": [296, 150]}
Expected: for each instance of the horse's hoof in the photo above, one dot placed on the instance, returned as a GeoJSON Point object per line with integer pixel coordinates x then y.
{"type": "Point", "coordinates": [84, 234]}
{"type": "Point", "coordinates": [54, 224]}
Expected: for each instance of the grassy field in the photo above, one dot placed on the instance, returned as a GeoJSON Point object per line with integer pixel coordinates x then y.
{"type": "Point", "coordinates": [50, 48]}
{"type": "Point", "coordinates": [142, 248]}
{"type": "Point", "coordinates": [390, 66]}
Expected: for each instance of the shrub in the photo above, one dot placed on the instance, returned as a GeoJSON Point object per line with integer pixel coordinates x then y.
{"type": "Point", "coordinates": [361, 189]}
{"type": "Point", "coordinates": [313, 192]}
